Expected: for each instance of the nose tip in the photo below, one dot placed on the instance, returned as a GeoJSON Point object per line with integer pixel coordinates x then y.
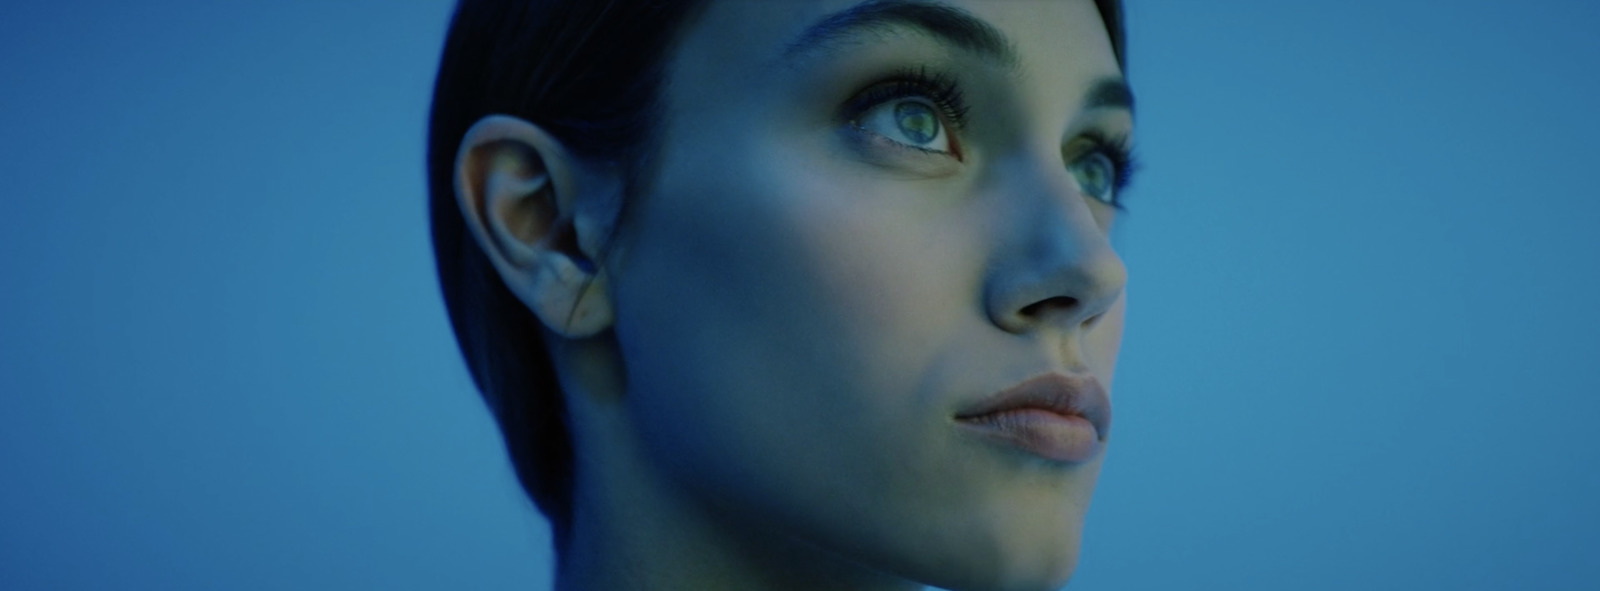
{"type": "Point", "coordinates": [1072, 293]}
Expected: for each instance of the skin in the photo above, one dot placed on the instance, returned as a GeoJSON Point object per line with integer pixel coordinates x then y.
{"type": "Point", "coordinates": [763, 369]}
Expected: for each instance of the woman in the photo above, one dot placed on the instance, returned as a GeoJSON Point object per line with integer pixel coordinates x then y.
{"type": "Point", "coordinates": [810, 295]}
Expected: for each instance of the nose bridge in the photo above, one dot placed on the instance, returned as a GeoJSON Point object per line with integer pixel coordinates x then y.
{"type": "Point", "coordinates": [1055, 266]}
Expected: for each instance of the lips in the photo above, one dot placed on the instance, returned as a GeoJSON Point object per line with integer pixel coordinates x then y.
{"type": "Point", "coordinates": [1058, 416]}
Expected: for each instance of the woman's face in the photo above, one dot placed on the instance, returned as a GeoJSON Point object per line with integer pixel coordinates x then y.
{"type": "Point", "coordinates": [867, 218]}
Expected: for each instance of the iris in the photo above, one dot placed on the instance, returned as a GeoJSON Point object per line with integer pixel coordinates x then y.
{"type": "Point", "coordinates": [917, 121]}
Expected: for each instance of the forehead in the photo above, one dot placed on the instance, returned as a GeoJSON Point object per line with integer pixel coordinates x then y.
{"type": "Point", "coordinates": [1053, 43]}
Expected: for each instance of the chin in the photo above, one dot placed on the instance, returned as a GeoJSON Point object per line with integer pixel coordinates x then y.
{"type": "Point", "coordinates": [1043, 577]}
{"type": "Point", "coordinates": [1038, 569]}
{"type": "Point", "coordinates": [1034, 559]}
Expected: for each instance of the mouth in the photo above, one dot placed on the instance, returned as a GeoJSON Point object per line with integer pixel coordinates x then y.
{"type": "Point", "coordinates": [1057, 416]}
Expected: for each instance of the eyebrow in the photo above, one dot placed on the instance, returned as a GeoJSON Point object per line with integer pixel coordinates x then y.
{"type": "Point", "coordinates": [947, 24]}
{"type": "Point", "coordinates": [1109, 92]}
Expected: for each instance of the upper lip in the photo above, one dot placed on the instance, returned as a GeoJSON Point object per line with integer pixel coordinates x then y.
{"type": "Point", "coordinates": [1065, 394]}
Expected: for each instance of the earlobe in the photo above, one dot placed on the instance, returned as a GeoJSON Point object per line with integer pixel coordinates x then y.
{"type": "Point", "coordinates": [571, 301]}
{"type": "Point", "coordinates": [520, 193]}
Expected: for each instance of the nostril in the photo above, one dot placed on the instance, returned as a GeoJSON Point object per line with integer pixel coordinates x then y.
{"type": "Point", "coordinates": [1045, 305]}
{"type": "Point", "coordinates": [1089, 323]}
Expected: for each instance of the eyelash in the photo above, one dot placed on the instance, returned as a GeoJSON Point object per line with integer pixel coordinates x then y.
{"type": "Point", "coordinates": [1124, 160]}
{"type": "Point", "coordinates": [945, 94]}
{"type": "Point", "coordinates": [939, 89]}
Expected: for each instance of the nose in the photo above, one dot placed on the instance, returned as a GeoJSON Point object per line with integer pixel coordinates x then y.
{"type": "Point", "coordinates": [1055, 269]}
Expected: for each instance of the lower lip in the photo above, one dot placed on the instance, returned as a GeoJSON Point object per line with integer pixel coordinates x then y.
{"type": "Point", "coordinates": [1063, 438]}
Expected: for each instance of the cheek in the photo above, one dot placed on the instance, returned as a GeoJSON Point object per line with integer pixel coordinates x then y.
{"type": "Point", "coordinates": [765, 303]}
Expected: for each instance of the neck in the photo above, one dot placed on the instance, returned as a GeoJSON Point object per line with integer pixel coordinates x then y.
{"type": "Point", "coordinates": [634, 530]}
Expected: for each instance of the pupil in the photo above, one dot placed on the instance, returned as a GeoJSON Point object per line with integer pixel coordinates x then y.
{"type": "Point", "coordinates": [917, 121]}
{"type": "Point", "coordinates": [1093, 175]}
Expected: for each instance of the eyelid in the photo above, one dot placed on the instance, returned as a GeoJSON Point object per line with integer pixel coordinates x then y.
{"type": "Point", "coordinates": [1118, 146]}
{"type": "Point", "coordinates": [940, 89]}
{"type": "Point", "coordinates": [941, 92]}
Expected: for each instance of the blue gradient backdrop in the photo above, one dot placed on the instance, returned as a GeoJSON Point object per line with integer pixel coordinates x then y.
{"type": "Point", "coordinates": [1361, 350]}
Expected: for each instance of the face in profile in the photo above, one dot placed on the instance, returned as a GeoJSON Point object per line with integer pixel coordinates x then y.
{"type": "Point", "coordinates": [866, 222]}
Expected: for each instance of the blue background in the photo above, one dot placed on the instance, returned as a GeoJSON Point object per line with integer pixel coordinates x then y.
{"type": "Point", "coordinates": [1361, 350]}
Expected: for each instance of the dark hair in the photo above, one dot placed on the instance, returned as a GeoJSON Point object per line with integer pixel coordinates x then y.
{"type": "Point", "coordinates": [589, 72]}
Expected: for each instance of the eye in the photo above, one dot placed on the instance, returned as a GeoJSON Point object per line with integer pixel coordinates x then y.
{"type": "Point", "coordinates": [1096, 174]}
{"type": "Point", "coordinates": [910, 121]}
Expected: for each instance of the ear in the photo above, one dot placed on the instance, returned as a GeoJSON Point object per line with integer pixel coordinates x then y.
{"type": "Point", "coordinates": [540, 216]}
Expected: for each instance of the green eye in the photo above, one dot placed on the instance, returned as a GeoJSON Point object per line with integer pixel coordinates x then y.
{"type": "Point", "coordinates": [917, 121]}
{"type": "Point", "coordinates": [912, 123]}
{"type": "Point", "coordinates": [1096, 176]}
